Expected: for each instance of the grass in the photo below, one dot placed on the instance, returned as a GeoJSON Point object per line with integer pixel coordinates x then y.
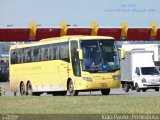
{"type": "Point", "coordinates": [79, 105]}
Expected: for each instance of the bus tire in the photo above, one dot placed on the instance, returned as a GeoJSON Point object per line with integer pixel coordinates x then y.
{"type": "Point", "coordinates": [156, 89]}
{"type": "Point", "coordinates": [71, 90]}
{"type": "Point", "coordinates": [132, 88]}
{"type": "Point", "coordinates": [22, 89]}
{"type": "Point", "coordinates": [137, 88]}
{"type": "Point", "coordinates": [29, 89]}
{"type": "Point", "coordinates": [15, 94]}
{"type": "Point", "coordinates": [105, 91]}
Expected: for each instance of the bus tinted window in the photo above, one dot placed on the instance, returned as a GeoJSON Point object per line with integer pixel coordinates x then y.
{"type": "Point", "coordinates": [44, 52]}
{"type": "Point", "coordinates": [36, 54]}
{"type": "Point", "coordinates": [28, 55]}
{"type": "Point", "coordinates": [64, 51]}
{"type": "Point", "coordinates": [57, 51]}
{"type": "Point", "coordinates": [20, 55]}
{"type": "Point", "coordinates": [41, 53]}
{"type": "Point", "coordinates": [50, 51]}
{"type": "Point", "coordinates": [13, 57]}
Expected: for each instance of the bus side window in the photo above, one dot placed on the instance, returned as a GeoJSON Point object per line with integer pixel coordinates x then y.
{"type": "Point", "coordinates": [55, 51]}
{"type": "Point", "coordinates": [20, 55]}
{"type": "Point", "coordinates": [36, 54]}
{"type": "Point", "coordinates": [27, 55]}
{"type": "Point", "coordinates": [50, 52]}
{"type": "Point", "coordinates": [13, 57]}
{"type": "Point", "coordinates": [44, 53]}
{"type": "Point", "coordinates": [64, 51]}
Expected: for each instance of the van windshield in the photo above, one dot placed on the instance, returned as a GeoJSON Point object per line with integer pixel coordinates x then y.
{"type": "Point", "coordinates": [99, 56]}
{"type": "Point", "coordinates": [149, 71]}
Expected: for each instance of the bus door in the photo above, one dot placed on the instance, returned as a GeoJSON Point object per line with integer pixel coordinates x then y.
{"type": "Point", "coordinates": [64, 63]}
{"type": "Point", "coordinates": [75, 59]}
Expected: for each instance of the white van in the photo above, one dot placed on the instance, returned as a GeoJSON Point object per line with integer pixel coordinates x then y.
{"type": "Point", "coordinates": [146, 78]}
{"type": "Point", "coordinates": [138, 71]}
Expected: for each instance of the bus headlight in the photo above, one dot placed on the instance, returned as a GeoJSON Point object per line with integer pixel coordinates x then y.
{"type": "Point", "coordinates": [143, 80]}
{"type": "Point", "coordinates": [117, 78]}
{"type": "Point", "coordinates": [87, 79]}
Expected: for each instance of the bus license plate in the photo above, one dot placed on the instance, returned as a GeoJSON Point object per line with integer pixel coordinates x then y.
{"type": "Point", "coordinates": [103, 84]}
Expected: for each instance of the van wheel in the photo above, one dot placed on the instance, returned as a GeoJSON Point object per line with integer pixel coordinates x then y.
{"type": "Point", "coordinates": [132, 88]}
{"type": "Point", "coordinates": [144, 90]}
{"type": "Point", "coordinates": [156, 89]}
{"type": "Point", "coordinates": [105, 91]}
{"type": "Point", "coordinates": [22, 89]}
{"type": "Point", "coordinates": [137, 88]}
{"type": "Point", "coordinates": [71, 89]}
{"type": "Point", "coordinates": [126, 87]}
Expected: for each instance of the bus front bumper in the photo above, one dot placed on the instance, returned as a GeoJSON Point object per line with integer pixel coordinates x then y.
{"type": "Point", "coordinates": [90, 85]}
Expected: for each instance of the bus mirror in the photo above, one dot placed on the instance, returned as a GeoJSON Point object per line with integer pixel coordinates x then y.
{"type": "Point", "coordinates": [122, 51]}
{"type": "Point", "coordinates": [80, 54]}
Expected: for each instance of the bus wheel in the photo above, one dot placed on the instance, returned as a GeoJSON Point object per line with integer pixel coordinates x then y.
{"type": "Point", "coordinates": [105, 91]}
{"type": "Point", "coordinates": [156, 89]}
{"type": "Point", "coordinates": [29, 89]}
{"type": "Point", "coordinates": [15, 94]}
{"type": "Point", "coordinates": [137, 88]}
{"type": "Point", "coordinates": [71, 89]}
{"type": "Point", "coordinates": [22, 89]}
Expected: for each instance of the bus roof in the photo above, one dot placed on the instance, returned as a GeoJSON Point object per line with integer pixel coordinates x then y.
{"type": "Point", "coordinates": [60, 39]}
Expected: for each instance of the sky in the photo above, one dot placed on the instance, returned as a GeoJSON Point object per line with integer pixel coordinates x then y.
{"type": "Point", "coordinates": [107, 13]}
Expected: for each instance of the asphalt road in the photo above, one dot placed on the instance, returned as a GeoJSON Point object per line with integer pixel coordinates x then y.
{"type": "Point", "coordinates": [114, 92]}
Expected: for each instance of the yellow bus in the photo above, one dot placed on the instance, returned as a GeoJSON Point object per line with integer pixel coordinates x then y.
{"type": "Point", "coordinates": [69, 63]}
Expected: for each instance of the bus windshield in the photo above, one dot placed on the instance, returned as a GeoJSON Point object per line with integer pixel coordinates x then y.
{"type": "Point", "coordinates": [99, 56]}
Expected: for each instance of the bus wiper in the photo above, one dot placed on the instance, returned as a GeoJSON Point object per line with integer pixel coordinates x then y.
{"type": "Point", "coordinates": [113, 70]}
